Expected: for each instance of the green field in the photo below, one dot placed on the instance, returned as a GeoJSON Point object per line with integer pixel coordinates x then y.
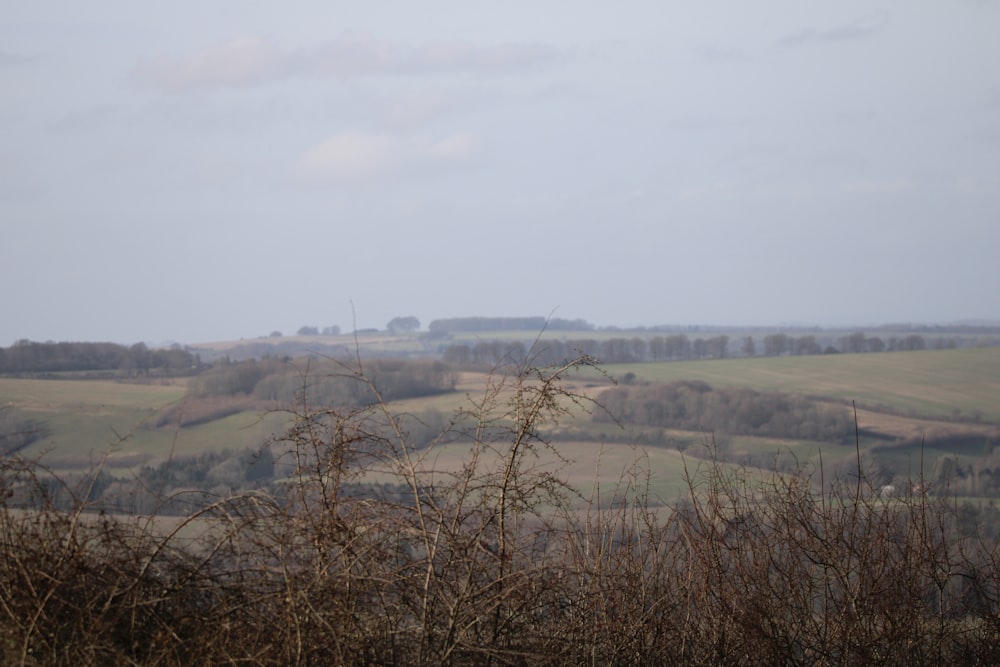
{"type": "Point", "coordinates": [593, 469]}
{"type": "Point", "coordinates": [89, 418]}
{"type": "Point", "coordinates": [932, 384]}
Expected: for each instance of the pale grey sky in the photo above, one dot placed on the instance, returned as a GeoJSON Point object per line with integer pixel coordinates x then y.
{"type": "Point", "coordinates": [196, 171]}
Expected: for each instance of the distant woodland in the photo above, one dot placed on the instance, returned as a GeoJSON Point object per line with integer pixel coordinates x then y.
{"type": "Point", "coordinates": [696, 406]}
{"type": "Point", "coordinates": [680, 347]}
{"type": "Point", "coordinates": [26, 356]}
{"type": "Point", "coordinates": [546, 341]}
{"type": "Point", "coordinates": [465, 324]}
{"type": "Point", "coordinates": [267, 384]}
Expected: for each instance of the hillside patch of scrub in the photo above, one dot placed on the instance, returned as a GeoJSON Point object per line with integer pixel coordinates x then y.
{"type": "Point", "coordinates": [325, 382]}
{"type": "Point", "coordinates": [270, 384]}
{"type": "Point", "coordinates": [693, 405]}
{"type": "Point", "coordinates": [18, 431]}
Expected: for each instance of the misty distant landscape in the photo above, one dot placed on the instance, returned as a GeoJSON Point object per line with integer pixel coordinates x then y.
{"type": "Point", "coordinates": [674, 367]}
{"type": "Point", "coordinates": [532, 437]}
{"type": "Point", "coordinates": [500, 334]}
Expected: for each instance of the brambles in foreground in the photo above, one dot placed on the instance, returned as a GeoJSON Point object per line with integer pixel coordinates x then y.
{"type": "Point", "coordinates": [497, 562]}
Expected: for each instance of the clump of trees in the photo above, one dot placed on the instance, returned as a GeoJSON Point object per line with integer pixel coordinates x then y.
{"type": "Point", "coordinates": [326, 382]}
{"type": "Point", "coordinates": [536, 323]}
{"type": "Point", "coordinates": [696, 406]}
{"type": "Point", "coordinates": [309, 330]}
{"type": "Point", "coordinates": [615, 350]}
{"type": "Point", "coordinates": [972, 476]}
{"type": "Point", "coordinates": [268, 384]}
{"type": "Point", "coordinates": [18, 431]}
{"type": "Point", "coordinates": [28, 357]}
{"type": "Point", "coordinates": [676, 347]}
{"type": "Point", "coordinates": [495, 561]}
{"type": "Point", "coordinates": [858, 342]}
{"type": "Point", "coordinates": [403, 324]}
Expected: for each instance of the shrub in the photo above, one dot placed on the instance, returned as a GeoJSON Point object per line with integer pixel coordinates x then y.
{"type": "Point", "coordinates": [694, 405]}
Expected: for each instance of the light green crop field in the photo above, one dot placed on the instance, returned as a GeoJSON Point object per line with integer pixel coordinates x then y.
{"type": "Point", "coordinates": [90, 395]}
{"type": "Point", "coordinates": [930, 383]}
{"type": "Point", "coordinates": [592, 469]}
{"type": "Point", "coordinates": [87, 417]}
{"type": "Point", "coordinates": [91, 418]}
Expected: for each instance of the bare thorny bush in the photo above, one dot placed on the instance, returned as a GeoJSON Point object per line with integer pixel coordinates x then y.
{"type": "Point", "coordinates": [372, 551]}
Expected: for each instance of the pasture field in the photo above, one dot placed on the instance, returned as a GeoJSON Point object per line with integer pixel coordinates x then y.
{"type": "Point", "coordinates": [89, 418]}
{"type": "Point", "coordinates": [90, 395]}
{"type": "Point", "coordinates": [588, 467]}
{"type": "Point", "coordinates": [938, 384]}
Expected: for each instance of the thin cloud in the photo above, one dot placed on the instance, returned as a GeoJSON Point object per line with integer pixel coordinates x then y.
{"type": "Point", "coordinates": [458, 56]}
{"type": "Point", "coordinates": [879, 186]}
{"type": "Point", "coordinates": [408, 110]}
{"type": "Point", "coordinates": [836, 161]}
{"type": "Point", "coordinates": [87, 120]}
{"type": "Point", "coordinates": [8, 59]}
{"type": "Point", "coordinates": [252, 61]}
{"type": "Point", "coordinates": [239, 62]}
{"type": "Point", "coordinates": [714, 54]}
{"type": "Point", "coordinates": [353, 156]}
{"type": "Point", "coordinates": [364, 157]}
{"type": "Point", "coordinates": [703, 122]}
{"type": "Point", "coordinates": [858, 29]}
{"type": "Point", "coordinates": [713, 191]}
{"type": "Point", "coordinates": [459, 147]}
{"type": "Point", "coordinates": [993, 97]}
{"type": "Point", "coordinates": [976, 185]}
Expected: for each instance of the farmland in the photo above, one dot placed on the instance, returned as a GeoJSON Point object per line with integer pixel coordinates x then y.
{"type": "Point", "coordinates": [580, 513]}
{"type": "Point", "coordinates": [90, 418]}
{"type": "Point", "coordinates": [910, 405]}
{"type": "Point", "coordinates": [937, 384]}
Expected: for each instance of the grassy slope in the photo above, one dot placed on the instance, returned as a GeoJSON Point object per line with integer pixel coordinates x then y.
{"type": "Point", "coordinates": [930, 383]}
{"type": "Point", "coordinates": [590, 467]}
{"type": "Point", "coordinates": [935, 384]}
{"type": "Point", "coordinates": [91, 417]}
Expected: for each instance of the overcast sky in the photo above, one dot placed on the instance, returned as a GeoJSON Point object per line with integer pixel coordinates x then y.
{"type": "Point", "coordinates": [197, 171]}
